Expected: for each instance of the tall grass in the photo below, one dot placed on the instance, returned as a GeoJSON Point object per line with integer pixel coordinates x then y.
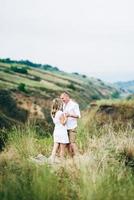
{"type": "Point", "coordinates": [102, 171]}
{"type": "Point", "coordinates": [107, 172]}
{"type": "Point", "coordinates": [20, 178]}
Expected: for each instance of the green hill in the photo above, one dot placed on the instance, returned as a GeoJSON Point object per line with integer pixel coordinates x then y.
{"type": "Point", "coordinates": [32, 87]}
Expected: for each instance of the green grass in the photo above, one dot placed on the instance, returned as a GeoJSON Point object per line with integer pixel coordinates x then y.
{"type": "Point", "coordinates": [4, 84]}
{"type": "Point", "coordinates": [63, 81]}
{"type": "Point", "coordinates": [104, 169]}
{"type": "Point", "coordinates": [82, 88]}
{"type": "Point", "coordinates": [6, 65]}
{"type": "Point", "coordinates": [48, 76]}
{"type": "Point", "coordinates": [20, 178]}
{"type": "Point", "coordinates": [102, 172]}
{"type": "Point", "coordinates": [14, 78]}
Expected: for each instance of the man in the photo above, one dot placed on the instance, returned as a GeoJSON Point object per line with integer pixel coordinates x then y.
{"type": "Point", "coordinates": [71, 110]}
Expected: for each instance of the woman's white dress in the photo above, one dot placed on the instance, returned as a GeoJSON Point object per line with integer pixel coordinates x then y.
{"type": "Point", "coordinates": [60, 131]}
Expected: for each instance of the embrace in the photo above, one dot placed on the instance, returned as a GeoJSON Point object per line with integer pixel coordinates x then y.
{"type": "Point", "coordinates": [64, 113]}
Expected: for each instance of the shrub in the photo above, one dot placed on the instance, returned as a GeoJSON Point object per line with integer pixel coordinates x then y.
{"type": "Point", "coordinates": [95, 97]}
{"type": "Point", "coordinates": [76, 73]}
{"type": "Point", "coordinates": [115, 95]}
{"type": "Point", "coordinates": [22, 87]}
{"type": "Point", "coordinates": [84, 76]}
{"type": "Point", "coordinates": [71, 86]}
{"type": "Point", "coordinates": [21, 70]}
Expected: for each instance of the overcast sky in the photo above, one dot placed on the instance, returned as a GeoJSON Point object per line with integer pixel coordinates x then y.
{"type": "Point", "coordinates": [92, 37]}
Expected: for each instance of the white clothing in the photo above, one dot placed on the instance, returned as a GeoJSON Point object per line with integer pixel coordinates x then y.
{"type": "Point", "coordinates": [60, 131]}
{"type": "Point", "coordinates": [71, 108]}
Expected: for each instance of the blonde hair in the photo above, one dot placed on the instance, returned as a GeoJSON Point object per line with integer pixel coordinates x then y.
{"type": "Point", "coordinates": [57, 104]}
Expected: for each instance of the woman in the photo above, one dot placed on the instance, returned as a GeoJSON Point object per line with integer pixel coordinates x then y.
{"type": "Point", "coordinates": [60, 134]}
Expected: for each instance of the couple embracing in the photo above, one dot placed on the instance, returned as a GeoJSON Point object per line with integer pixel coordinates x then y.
{"type": "Point", "coordinates": [64, 112]}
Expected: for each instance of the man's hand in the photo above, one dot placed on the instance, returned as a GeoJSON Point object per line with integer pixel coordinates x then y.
{"type": "Point", "coordinates": [71, 115]}
{"type": "Point", "coordinates": [67, 115]}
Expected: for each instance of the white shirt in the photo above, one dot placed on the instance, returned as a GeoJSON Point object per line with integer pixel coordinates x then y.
{"type": "Point", "coordinates": [71, 108]}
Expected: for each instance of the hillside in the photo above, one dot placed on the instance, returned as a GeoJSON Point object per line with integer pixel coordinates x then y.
{"type": "Point", "coordinates": [118, 113]}
{"type": "Point", "coordinates": [127, 86]}
{"type": "Point", "coordinates": [32, 87]}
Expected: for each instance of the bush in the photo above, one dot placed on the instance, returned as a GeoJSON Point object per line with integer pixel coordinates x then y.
{"type": "Point", "coordinates": [95, 97]}
{"type": "Point", "coordinates": [84, 76]}
{"type": "Point", "coordinates": [71, 86]}
{"type": "Point", "coordinates": [76, 73]}
{"type": "Point", "coordinates": [115, 95]}
{"type": "Point", "coordinates": [21, 70]}
{"type": "Point", "coordinates": [22, 87]}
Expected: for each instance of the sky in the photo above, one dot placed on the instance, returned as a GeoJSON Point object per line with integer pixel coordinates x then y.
{"type": "Point", "coordinates": [91, 37]}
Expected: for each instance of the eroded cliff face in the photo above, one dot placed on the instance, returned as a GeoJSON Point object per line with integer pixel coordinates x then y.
{"type": "Point", "coordinates": [18, 108]}
{"type": "Point", "coordinates": [119, 114]}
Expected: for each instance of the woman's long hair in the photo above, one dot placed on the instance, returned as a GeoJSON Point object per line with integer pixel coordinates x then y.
{"type": "Point", "coordinates": [57, 104]}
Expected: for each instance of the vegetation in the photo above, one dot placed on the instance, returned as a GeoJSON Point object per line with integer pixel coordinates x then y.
{"type": "Point", "coordinates": [21, 62]}
{"type": "Point", "coordinates": [28, 82]}
{"type": "Point", "coordinates": [104, 167]}
{"type": "Point", "coordinates": [115, 95]}
{"type": "Point", "coordinates": [103, 170]}
{"type": "Point", "coordinates": [126, 86]}
{"type": "Point", "coordinates": [71, 86]}
{"type": "Point", "coordinates": [9, 107]}
{"type": "Point", "coordinates": [130, 97]}
{"type": "Point", "coordinates": [46, 77]}
{"type": "Point", "coordinates": [22, 87]}
{"type": "Point", "coordinates": [19, 69]}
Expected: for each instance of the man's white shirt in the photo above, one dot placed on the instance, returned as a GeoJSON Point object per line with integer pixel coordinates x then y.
{"type": "Point", "coordinates": [71, 108]}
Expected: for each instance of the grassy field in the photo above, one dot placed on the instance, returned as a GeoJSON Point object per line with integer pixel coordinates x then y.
{"type": "Point", "coordinates": [4, 84]}
{"type": "Point", "coordinates": [16, 79]}
{"type": "Point", "coordinates": [102, 171]}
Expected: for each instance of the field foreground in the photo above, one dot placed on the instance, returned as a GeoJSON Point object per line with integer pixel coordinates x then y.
{"type": "Point", "coordinates": [104, 168]}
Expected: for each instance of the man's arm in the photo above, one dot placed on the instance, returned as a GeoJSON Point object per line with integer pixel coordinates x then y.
{"type": "Point", "coordinates": [76, 112]}
{"type": "Point", "coordinates": [72, 115]}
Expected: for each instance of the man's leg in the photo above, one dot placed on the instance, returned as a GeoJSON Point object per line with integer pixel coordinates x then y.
{"type": "Point", "coordinates": [72, 147]}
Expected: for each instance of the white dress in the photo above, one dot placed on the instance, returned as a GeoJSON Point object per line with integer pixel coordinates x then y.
{"type": "Point", "coordinates": [60, 131]}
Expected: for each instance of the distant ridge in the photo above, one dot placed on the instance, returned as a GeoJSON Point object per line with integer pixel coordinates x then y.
{"type": "Point", "coordinates": [127, 86]}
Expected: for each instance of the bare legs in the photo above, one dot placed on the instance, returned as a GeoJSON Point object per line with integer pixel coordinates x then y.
{"type": "Point", "coordinates": [62, 150]}
{"type": "Point", "coordinates": [72, 149]}
{"type": "Point", "coordinates": [53, 154]}
{"type": "Point", "coordinates": [55, 149]}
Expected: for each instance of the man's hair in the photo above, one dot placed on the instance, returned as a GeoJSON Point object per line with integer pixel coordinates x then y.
{"type": "Point", "coordinates": [66, 93]}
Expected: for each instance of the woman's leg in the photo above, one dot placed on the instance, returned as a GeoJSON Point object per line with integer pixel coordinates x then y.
{"type": "Point", "coordinates": [62, 150]}
{"type": "Point", "coordinates": [55, 148]}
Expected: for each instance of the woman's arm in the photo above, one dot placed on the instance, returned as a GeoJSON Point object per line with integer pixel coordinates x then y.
{"type": "Point", "coordinates": [63, 119]}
